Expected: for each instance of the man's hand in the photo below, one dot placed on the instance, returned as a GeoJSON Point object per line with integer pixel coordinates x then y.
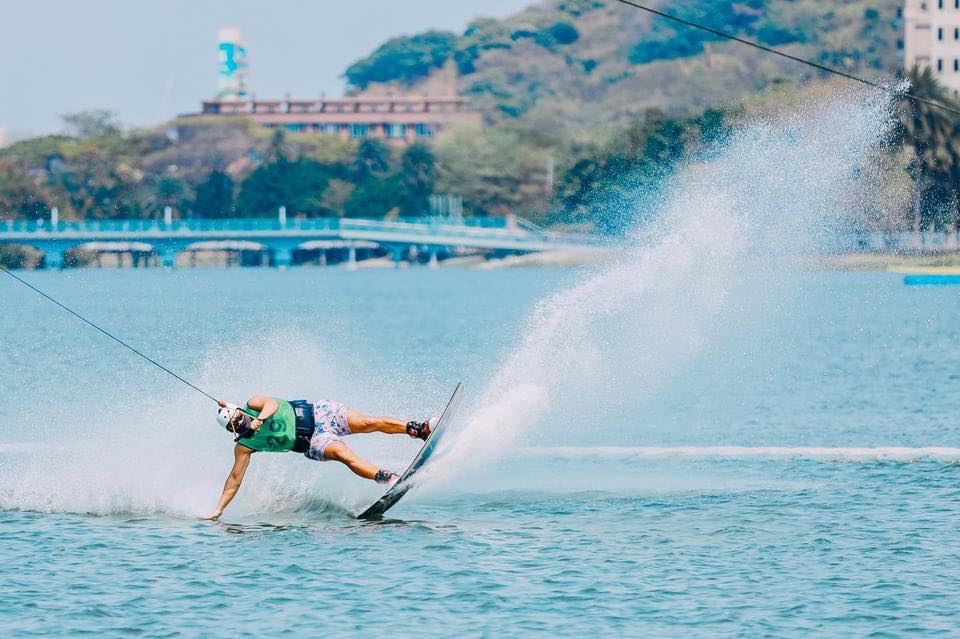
{"type": "Point", "coordinates": [256, 424]}
{"type": "Point", "coordinates": [214, 516]}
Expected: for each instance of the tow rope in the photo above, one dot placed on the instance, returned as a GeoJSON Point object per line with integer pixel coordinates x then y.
{"type": "Point", "coordinates": [108, 334]}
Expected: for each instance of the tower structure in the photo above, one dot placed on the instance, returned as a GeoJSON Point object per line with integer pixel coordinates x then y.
{"type": "Point", "coordinates": [234, 65]}
{"type": "Point", "coordinates": [931, 38]}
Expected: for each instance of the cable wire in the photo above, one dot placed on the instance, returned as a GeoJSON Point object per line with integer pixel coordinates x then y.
{"type": "Point", "coordinates": [783, 54]}
{"type": "Point", "coordinates": [108, 334]}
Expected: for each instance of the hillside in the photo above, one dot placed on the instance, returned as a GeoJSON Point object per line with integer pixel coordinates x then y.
{"type": "Point", "coordinates": [570, 64]}
{"type": "Point", "coordinates": [583, 98]}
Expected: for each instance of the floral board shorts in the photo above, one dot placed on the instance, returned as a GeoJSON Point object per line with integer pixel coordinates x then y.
{"type": "Point", "coordinates": [331, 426]}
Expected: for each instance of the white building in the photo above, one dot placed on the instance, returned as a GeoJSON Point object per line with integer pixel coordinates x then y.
{"type": "Point", "coordinates": [931, 38]}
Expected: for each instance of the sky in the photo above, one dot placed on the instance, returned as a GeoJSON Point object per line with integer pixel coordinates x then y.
{"type": "Point", "coordinates": [149, 60]}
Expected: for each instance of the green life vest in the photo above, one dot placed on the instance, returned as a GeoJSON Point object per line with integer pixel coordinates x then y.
{"type": "Point", "coordinates": [278, 433]}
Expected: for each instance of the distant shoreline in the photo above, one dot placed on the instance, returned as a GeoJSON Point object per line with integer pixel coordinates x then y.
{"type": "Point", "coordinates": [939, 263]}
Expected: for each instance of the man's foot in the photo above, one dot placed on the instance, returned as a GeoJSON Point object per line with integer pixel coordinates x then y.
{"type": "Point", "coordinates": [386, 478]}
{"type": "Point", "coordinates": [421, 430]}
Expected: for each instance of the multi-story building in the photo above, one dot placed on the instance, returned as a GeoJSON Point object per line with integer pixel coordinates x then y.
{"type": "Point", "coordinates": [397, 120]}
{"type": "Point", "coordinates": [931, 38]}
{"type": "Point", "coordinates": [392, 119]}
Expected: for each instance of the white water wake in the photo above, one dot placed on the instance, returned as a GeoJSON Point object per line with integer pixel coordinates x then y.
{"type": "Point", "coordinates": [710, 265]}
{"type": "Point", "coordinates": [904, 454]}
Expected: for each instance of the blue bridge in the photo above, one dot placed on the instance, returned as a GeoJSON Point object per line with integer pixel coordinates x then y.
{"type": "Point", "coordinates": [434, 237]}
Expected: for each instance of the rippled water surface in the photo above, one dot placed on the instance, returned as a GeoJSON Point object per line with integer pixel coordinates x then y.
{"type": "Point", "coordinates": [797, 476]}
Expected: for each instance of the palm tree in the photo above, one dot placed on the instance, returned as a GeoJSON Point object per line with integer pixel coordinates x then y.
{"type": "Point", "coordinates": [932, 135]}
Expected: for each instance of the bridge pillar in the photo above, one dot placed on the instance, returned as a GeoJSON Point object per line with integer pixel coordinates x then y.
{"type": "Point", "coordinates": [352, 258]}
{"type": "Point", "coordinates": [53, 258]}
{"type": "Point", "coordinates": [397, 252]}
{"type": "Point", "coordinates": [168, 257]}
{"type": "Point", "coordinates": [282, 257]}
{"type": "Point", "coordinates": [434, 262]}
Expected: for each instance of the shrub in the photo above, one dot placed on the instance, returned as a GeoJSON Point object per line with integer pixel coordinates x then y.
{"type": "Point", "coordinates": [403, 59]}
{"type": "Point", "coordinates": [19, 256]}
{"type": "Point", "coordinates": [564, 33]}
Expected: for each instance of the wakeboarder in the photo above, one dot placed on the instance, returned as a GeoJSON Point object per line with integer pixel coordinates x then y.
{"type": "Point", "coordinates": [316, 429]}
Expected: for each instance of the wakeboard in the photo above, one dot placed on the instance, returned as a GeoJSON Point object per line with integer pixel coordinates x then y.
{"type": "Point", "coordinates": [399, 489]}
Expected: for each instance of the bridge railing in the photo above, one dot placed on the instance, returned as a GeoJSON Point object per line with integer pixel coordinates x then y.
{"type": "Point", "coordinates": [441, 226]}
{"type": "Point", "coordinates": [400, 230]}
{"type": "Point", "coordinates": [231, 224]}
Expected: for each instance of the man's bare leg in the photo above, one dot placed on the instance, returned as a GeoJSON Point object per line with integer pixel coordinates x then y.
{"type": "Point", "coordinates": [360, 423]}
{"type": "Point", "coordinates": [338, 451]}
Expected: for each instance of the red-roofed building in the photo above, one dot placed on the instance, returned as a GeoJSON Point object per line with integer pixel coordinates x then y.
{"type": "Point", "coordinates": [398, 120]}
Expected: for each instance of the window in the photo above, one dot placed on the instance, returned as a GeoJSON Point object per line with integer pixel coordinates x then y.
{"type": "Point", "coordinates": [425, 130]}
{"type": "Point", "coordinates": [362, 130]}
{"type": "Point", "coordinates": [956, 31]}
{"type": "Point", "coordinates": [956, 4]}
{"type": "Point", "coordinates": [395, 130]}
{"type": "Point", "coordinates": [940, 4]}
{"type": "Point", "coordinates": [939, 33]}
{"type": "Point", "coordinates": [939, 64]}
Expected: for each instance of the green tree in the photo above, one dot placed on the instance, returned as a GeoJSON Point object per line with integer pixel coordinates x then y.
{"type": "Point", "coordinates": [23, 196]}
{"type": "Point", "coordinates": [497, 171]}
{"type": "Point", "coordinates": [298, 185]}
{"type": "Point", "coordinates": [562, 33]}
{"type": "Point", "coordinates": [95, 123]}
{"type": "Point", "coordinates": [214, 196]}
{"type": "Point", "coordinates": [372, 159]}
{"type": "Point", "coordinates": [100, 186]}
{"type": "Point", "coordinates": [377, 190]}
{"type": "Point", "coordinates": [418, 175]}
{"type": "Point", "coordinates": [173, 191]}
{"type": "Point", "coordinates": [931, 135]}
{"type": "Point", "coordinates": [374, 197]}
{"type": "Point", "coordinates": [610, 186]}
{"type": "Point", "coordinates": [403, 59]}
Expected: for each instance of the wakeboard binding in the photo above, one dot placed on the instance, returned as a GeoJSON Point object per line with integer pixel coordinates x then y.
{"type": "Point", "coordinates": [420, 430]}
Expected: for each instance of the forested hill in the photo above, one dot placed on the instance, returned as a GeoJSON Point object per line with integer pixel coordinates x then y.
{"type": "Point", "coordinates": [587, 62]}
{"type": "Point", "coordinates": [583, 100]}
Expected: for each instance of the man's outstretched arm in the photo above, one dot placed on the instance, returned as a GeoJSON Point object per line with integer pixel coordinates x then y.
{"type": "Point", "coordinates": [241, 459]}
{"type": "Point", "coordinates": [266, 406]}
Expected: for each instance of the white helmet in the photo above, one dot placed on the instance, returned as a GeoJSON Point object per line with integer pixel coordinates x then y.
{"type": "Point", "coordinates": [225, 413]}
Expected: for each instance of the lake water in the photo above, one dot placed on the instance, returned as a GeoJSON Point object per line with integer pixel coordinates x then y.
{"type": "Point", "coordinates": [695, 439]}
{"type": "Point", "coordinates": [613, 506]}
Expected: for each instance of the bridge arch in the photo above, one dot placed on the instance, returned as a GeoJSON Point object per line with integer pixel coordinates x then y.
{"type": "Point", "coordinates": [328, 252]}
{"type": "Point", "coordinates": [228, 253]}
{"type": "Point", "coordinates": [111, 254]}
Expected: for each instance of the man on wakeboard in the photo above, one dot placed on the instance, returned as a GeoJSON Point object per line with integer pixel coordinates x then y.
{"type": "Point", "coordinates": [268, 424]}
